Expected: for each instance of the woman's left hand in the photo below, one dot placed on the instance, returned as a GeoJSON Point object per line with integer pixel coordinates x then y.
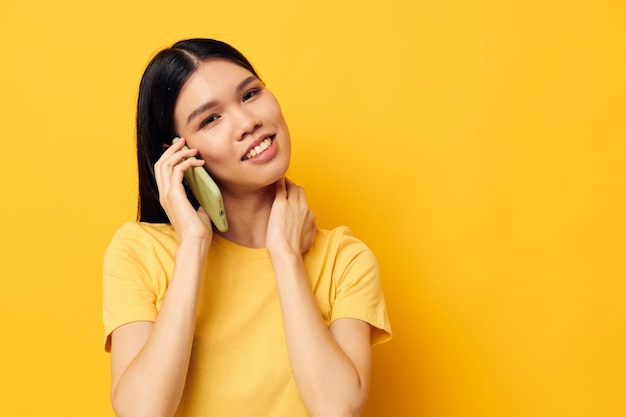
{"type": "Point", "coordinates": [291, 225]}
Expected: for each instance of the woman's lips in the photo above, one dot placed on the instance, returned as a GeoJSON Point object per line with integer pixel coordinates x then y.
{"type": "Point", "coordinates": [259, 149]}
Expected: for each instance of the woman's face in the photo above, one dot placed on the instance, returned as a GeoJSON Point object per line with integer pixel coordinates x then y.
{"type": "Point", "coordinates": [235, 123]}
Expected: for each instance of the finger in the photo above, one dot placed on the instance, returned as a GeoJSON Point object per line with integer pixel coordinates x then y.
{"type": "Point", "coordinates": [168, 161]}
{"type": "Point", "coordinates": [175, 146]}
{"type": "Point", "coordinates": [302, 195]}
{"type": "Point", "coordinates": [281, 188]}
{"type": "Point", "coordinates": [168, 151]}
{"type": "Point", "coordinates": [181, 156]}
{"type": "Point", "coordinates": [204, 216]}
{"type": "Point", "coordinates": [178, 170]}
{"type": "Point", "coordinates": [175, 153]}
{"type": "Point", "coordinates": [293, 191]}
{"type": "Point", "coordinates": [170, 178]}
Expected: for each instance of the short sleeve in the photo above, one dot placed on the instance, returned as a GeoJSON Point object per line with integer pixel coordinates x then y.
{"type": "Point", "coordinates": [129, 292]}
{"type": "Point", "coordinates": [358, 291]}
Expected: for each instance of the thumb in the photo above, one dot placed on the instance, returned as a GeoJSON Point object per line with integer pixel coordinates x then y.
{"type": "Point", "coordinates": [204, 216]}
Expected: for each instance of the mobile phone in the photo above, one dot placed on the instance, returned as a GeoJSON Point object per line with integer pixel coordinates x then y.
{"type": "Point", "coordinates": [208, 194]}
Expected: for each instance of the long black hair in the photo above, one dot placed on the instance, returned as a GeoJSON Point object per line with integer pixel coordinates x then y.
{"type": "Point", "coordinates": [158, 91]}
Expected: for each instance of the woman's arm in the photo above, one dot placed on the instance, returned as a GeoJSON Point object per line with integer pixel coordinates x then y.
{"type": "Point", "coordinates": [149, 361]}
{"type": "Point", "coordinates": [331, 365]}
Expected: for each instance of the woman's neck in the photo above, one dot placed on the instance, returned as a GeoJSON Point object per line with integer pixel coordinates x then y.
{"type": "Point", "coordinates": [248, 215]}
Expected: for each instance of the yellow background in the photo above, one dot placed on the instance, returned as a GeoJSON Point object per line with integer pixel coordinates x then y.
{"type": "Point", "coordinates": [476, 146]}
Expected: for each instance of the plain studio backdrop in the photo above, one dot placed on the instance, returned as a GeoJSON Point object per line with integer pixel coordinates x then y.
{"type": "Point", "coordinates": [476, 146]}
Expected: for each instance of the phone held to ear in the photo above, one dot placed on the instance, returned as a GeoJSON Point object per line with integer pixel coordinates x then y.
{"type": "Point", "coordinates": [207, 193]}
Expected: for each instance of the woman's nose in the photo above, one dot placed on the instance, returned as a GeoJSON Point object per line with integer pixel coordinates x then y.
{"type": "Point", "coordinates": [247, 123]}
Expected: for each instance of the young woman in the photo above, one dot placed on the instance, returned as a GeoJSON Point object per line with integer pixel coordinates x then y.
{"type": "Point", "coordinates": [273, 317]}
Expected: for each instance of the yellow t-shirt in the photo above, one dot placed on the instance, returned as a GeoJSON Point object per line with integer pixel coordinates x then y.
{"type": "Point", "coordinates": [239, 364]}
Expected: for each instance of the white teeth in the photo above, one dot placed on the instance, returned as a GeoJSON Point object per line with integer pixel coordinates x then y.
{"type": "Point", "coordinates": [258, 149]}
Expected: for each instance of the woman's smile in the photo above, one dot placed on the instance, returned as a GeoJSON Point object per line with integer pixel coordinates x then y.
{"type": "Point", "coordinates": [258, 152]}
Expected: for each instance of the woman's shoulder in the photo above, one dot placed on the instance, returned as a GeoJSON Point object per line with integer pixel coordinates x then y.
{"type": "Point", "coordinates": [340, 243]}
{"type": "Point", "coordinates": [340, 237]}
{"type": "Point", "coordinates": [135, 235]}
{"type": "Point", "coordinates": [137, 228]}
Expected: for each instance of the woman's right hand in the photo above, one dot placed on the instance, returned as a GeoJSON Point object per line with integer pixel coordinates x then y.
{"type": "Point", "coordinates": [169, 169]}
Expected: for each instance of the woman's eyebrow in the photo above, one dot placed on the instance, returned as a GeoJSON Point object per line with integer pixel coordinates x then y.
{"type": "Point", "coordinates": [210, 104]}
{"type": "Point", "coordinates": [245, 82]}
{"type": "Point", "coordinates": [200, 110]}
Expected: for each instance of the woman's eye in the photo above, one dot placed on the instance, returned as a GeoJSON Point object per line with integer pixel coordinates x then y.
{"type": "Point", "coordinates": [250, 93]}
{"type": "Point", "coordinates": [209, 120]}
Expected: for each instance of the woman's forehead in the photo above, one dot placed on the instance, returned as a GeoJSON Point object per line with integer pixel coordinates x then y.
{"type": "Point", "coordinates": [214, 81]}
